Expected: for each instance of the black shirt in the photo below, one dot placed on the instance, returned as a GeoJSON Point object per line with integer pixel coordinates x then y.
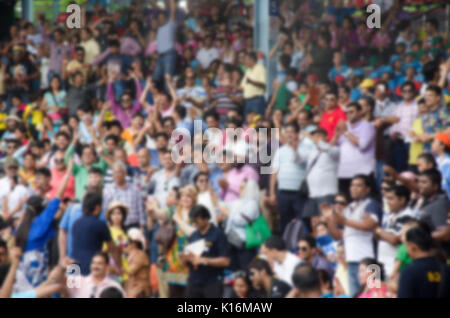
{"type": "Point", "coordinates": [216, 246]}
{"type": "Point", "coordinates": [423, 279]}
{"type": "Point", "coordinates": [278, 289]}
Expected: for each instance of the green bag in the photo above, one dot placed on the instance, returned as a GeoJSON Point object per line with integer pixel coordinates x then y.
{"type": "Point", "coordinates": [257, 232]}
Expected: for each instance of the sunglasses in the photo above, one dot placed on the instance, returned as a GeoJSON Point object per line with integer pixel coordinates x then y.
{"type": "Point", "coordinates": [385, 188]}
{"type": "Point", "coordinates": [203, 180]}
{"type": "Point", "coordinates": [13, 168]}
{"type": "Point", "coordinates": [303, 248]}
{"type": "Point", "coordinates": [126, 99]}
{"type": "Point", "coordinates": [340, 202]}
{"type": "Point", "coordinates": [59, 160]}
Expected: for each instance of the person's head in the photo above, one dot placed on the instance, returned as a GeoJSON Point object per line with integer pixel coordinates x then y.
{"type": "Point", "coordinates": [62, 141]}
{"type": "Point", "coordinates": [367, 268]}
{"type": "Point", "coordinates": [330, 100]}
{"type": "Point", "coordinates": [88, 156]}
{"type": "Point", "coordinates": [360, 187]}
{"type": "Point", "coordinates": [200, 217]}
{"type": "Point", "coordinates": [117, 214]}
{"type": "Point", "coordinates": [430, 182]}
{"type": "Point", "coordinates": [42, 178]}
{"type": "Point", "coordinates": [92, 204]}
{"type": "Point", "coordinates": [381, 90]}
{"type": "Point", "coordinates": [114, 47]}
{"type": "Point", "coordinates": [242, 284]}
{"type": "Point", "coordinates": [86, 34]}
{"type": "Point", "coordinates": [259, 271]}
{"type": "Point", "coordinates": [111, 143]}
{"type": "Point", "coordinates": [408, 91]}
{"type": "Point", "coordinates": [337, 58]}
{"type": "Point", "coordinates": [273, 248]}
{"type": "Point", "coordinates": [431, 25]}
{"type": "Point", "coordinates": [433, 96]}
{"type": "Point", "coordinates": [426, 161]}
{"type": "Point", "coordinates": [59, 160]}
{"type": "Point", "coordinates": [3, 252]}
{"type": "Point", "coordinates": [319, 134]}
{"type": "Point", "coordinates": [354, 112]}
{"type": "Point", "coordinates": [397, 198]}
{"type": "Point", "coordinates": [419, 240]}
{"type": "Point", "coordinates": [111, 293]}
{"type": "Point", "coordinates": [29, 161]}
{"type": "Point", "coordinates": [126, 100]}
{"type": "Point", "coordinates": [304, 118]}
{"type": "Point", "coordinates": [441, 144]}
{"type": "Point", "coordinates": [59, 35]}
{"type": "Point", "coordinates": [251, 59]}
{"type": "Point", "coordinates": [292, 132]}
{"type": "Point", "coordinates": [167, 161]}
{"type": "Point", "coordinates": [119, 173]}
{"type": "Point", "coordinates": [326, 284]}
{"type": "Point", "coordinates": [201, 181]}
{"type": "Point", "coordinates": [188, 197]}
{"type": "Point", "coordinates": [95, 178]}
{"type": "Point", "coordinates": [120, 154]}
{"type": "Point", "coordinates": [212, 119]}
{"type": "Point", "coordinates": [11, 166]}
{"type": "Point", "coordinates": [169, 125]}
{"type": "Point", "coordinates": [99, 266]}
{"type": "Point", "coordinates": [307, 248]}
{"type": "Point", "coordinates": [161, 141]}
{"type": "Point", "coordinates": [340, 202]}
{"type": "Point", "coordinates": [143, 157]}
{"type": "Point", "coordinates": [307, 281]}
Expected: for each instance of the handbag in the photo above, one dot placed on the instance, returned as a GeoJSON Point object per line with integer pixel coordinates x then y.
{"type": "Point", "coordinates": [166, 234]}
{"type": "Point", "coordinates": [256, 232]}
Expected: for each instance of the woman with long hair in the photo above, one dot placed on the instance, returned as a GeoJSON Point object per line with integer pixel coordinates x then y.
{"type": "Point", "coordinates": [177, 272]}
{"type": "Point", "coordinates": [375, 288]}
{"type": "Point", "coordinates": [33, 234]}
{"type": "Point", "coordinates": [55, 101]}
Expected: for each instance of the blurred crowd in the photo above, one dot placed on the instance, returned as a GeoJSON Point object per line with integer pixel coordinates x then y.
{"type": "Point", "coordinates": [93, 204]}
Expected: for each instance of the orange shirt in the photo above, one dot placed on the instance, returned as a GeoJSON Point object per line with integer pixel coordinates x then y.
{"type": "Point", "coordinates": [330, 119]}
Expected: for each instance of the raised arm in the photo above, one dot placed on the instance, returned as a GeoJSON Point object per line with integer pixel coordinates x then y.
{"type": "Point", "coordinates": [173, 10]}
{"type": "Point", "coordinates": [63, 185]}
{"type": "Point", "coordinates": [8, 283]}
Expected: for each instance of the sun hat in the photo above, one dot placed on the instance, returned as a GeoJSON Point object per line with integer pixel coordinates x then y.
{"type": "Point", "coordinates": [115, 205]}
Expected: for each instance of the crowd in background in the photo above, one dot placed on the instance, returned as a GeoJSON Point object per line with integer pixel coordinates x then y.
{"type": "Point", "coordinates": [360, 182]}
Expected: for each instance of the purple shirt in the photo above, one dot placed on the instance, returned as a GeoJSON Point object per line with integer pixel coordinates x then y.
{"type": "Point", "coordinates": [357, 160]}
{"type": "Point", "coordinates": [124, 117]}
{"type": "Point", "coordinates": [57, 54]}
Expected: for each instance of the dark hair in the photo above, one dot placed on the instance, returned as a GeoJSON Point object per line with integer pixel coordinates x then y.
{"type": "Point", "coordinates": [370, 261]}
{"type": "Point", "coordinates": [35, 205]}
{"type": "Point", "coordinates": [429, 158]}
{"type": "Point", "coordinates": [95, 170]}
{"type": "Point", "coordinates": [199, 211]}
{"type": "Point", "coordinates": [325, 277]}
{"type": "Point", "coordinates": [90, 202]}
{"type": "Point", "coordinates": [429, 70]}
{"type": "Point", "coordinates": [162, 134]}
{"type": "Point", "coordinates": [124, 216]}
{"type": "Point", "coordinates": [367, 180]}
{"type": "Point", "coordinates": [200, 174]}
{"type": "Point", "coordinates": [111, 292]}
{"type": "Point", "coordinates": [114, 43]}
{"type": "Point", "coordinates": [181, 111]}
{"type": "Point", "coordinates": [3, 244]}
{"type": "Point", "coordinates": [306, 278]}
{"type": "Point", "coordinates": [434, 175]}
{"type": "Point", "coordinates": [63, 134]}
{"type": "Point", "coordinates": [211, 113]}
{"type": "Point", "coordinates": [421, 236]}
{"type": "Point", "coordinates": [113, 138]}
{"type": "Point", "coordinates": [401, 192]}
{"type": "Point", "coordinates": [355, 105]}
{"type": "Point", "coordinates": [308, 113]}
{"type": "Point", "coordinates": [436, 89]}
{"type": "Point", "coordinates": [285, 61]}
{"type": "Point", "coordinates": [276, 243]}
{"type": "Point", "coordinates": [260, 264]}
{"type": "Point", "coordinates": [434, 22]}
{"type": "Point", "coordinates": [102, 255]}
{"type": "Point", "coordinates": [44, 172]}
{"type": "Point", "coordinates": [253, 56]}
{"type": "Point", "coordinates": [410, 84]}
{"type": "Point", "coordinates": [310, 240]}
{"type": "Point", "coordinates": [294, 125]}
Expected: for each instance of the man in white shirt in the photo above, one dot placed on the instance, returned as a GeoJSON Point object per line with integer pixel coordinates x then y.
{"type": "Point", "coordinates": [208, 53]}
{"type": "Point", "coordinates": [281, 260]}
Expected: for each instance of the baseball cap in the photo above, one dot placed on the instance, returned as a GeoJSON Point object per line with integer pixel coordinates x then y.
{"type": "Point", "coordinates": [366, 83]}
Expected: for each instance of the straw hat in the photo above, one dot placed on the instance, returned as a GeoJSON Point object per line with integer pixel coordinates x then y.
{"type": "Point", "coordinates": [135, 234]}
{"type": "Point", "coordinates": [114, 205]}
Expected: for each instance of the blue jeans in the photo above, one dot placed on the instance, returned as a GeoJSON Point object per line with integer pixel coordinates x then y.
{"type": "Point", "coordinates": [165, 65]}
{"type": "Point", "coordinates": [401, 153]}
{"type": "Point", "coordinates": [353, 279]}
{"type": "Point", "coordinates": [256, 105]}
{"type": "Point", "coordinates": [290, 206]}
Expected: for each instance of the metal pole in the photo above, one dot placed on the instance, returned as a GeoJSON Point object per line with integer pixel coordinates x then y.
{"type": "Point", "coordinates": [27, 10]}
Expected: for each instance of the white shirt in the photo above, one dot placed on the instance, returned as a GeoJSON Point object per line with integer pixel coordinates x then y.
{"type": "Point", "coordinates": [204, 199]}
{"type": "Point", "coordinates": [285, 270]}
{"type": "Point", "coordinates": [15, 197]}
{"type": "Point", "coordinates": [207, 56]}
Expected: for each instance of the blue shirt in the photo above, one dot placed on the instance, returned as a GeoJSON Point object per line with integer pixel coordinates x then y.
{"type": "Point", "coordinates": [216, 246]}
{"type": "Point", "coordinates": [73, 213]}
{"type": "Point", "coordinates": [41, 227]}
{"type": "Point", "coordinates": [89, 234]}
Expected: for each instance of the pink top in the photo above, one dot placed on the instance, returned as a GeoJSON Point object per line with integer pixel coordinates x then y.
{"type": "Point", "coordinates": [235, 178]}
{"type": "Point", "coordinates": [56, 180]}
{"type": "Point", "coordinates": [88, 288]}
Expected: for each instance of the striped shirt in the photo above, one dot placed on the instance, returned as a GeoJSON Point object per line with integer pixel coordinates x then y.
{"type": "Point", "coordinates": [225, 103]}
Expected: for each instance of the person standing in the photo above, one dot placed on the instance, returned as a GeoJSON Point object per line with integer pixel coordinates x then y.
{"type": "Point", "coordinates": [254, 86]}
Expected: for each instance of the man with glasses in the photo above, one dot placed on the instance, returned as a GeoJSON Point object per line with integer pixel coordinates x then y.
{"type": "Point", "coordinates": [191, 95]}
{"type": "Point", "coordinates": [332, 115]}
{"type": "Point", "coordinates": [307, 252]}
{"type": "Point", "coordinates": [407, 111]}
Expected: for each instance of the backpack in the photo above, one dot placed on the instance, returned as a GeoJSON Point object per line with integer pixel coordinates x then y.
{"type": "Point", "coordinates": [293, 232]}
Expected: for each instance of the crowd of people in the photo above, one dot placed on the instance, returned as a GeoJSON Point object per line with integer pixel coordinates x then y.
{"type": "Point", "coordinates": [93, 204]}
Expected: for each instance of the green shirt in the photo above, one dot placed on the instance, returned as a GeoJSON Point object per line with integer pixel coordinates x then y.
{"type": "Point", "coordinates": [403, 256]}
{"type": "Point", "coordinates": [81, 173]}
{"type": "Point", "coordinates": [282, 100]}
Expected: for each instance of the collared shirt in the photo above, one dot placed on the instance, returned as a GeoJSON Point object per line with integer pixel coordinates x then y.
{"type": "Point", "coordinates": [57, 54]}
{"type": "Point", "coordinates": [197, 93]}
{"type": "Point", "coordinates": [91, 49]}
{"type": "Point", "coordinates": [285, 270]}
{"type": "Point", "coordinates": [257, 74]}
{"type": "Point", "coordinates": [330, 119]}
{"type": "Point", "coordinates": [207, 56]}
{"type": "Point", "coordinates": [88, 289]}
{"type": "Point", "coordinates": [123, 116]}
{"type": "Point", "coordinates": [384, 108]}
{"type": "Point", "coordinates": [435, 121]}
{"type": "Point", "coordinates": [165, 37]}
{"type": "Point", "coordinates": [407, 113]}
{"type": "Point", "coordinates": [235, 178]}
{"type": "Point", "coordinates": [131, 197]}
{"type": "Point", "coordinates": [161, 185]}
{"type": "Point", "coordinates": [357, 160]}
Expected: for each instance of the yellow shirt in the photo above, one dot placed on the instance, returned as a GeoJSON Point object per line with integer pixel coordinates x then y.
{"type": "Point", "coordinates": [91, 48]}
{"type": "Point", "coordinates": [119, 239]}
{"type": "Point", "coordinates": [416, 148]}
{"type": "Point", "coordinates": [257, 74]}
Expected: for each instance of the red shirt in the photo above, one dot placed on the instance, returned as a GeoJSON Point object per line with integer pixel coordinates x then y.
{"type": "Point", "coordinates": [330, 119]}
{"type": "Point", "coordinates": [57, 178]}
